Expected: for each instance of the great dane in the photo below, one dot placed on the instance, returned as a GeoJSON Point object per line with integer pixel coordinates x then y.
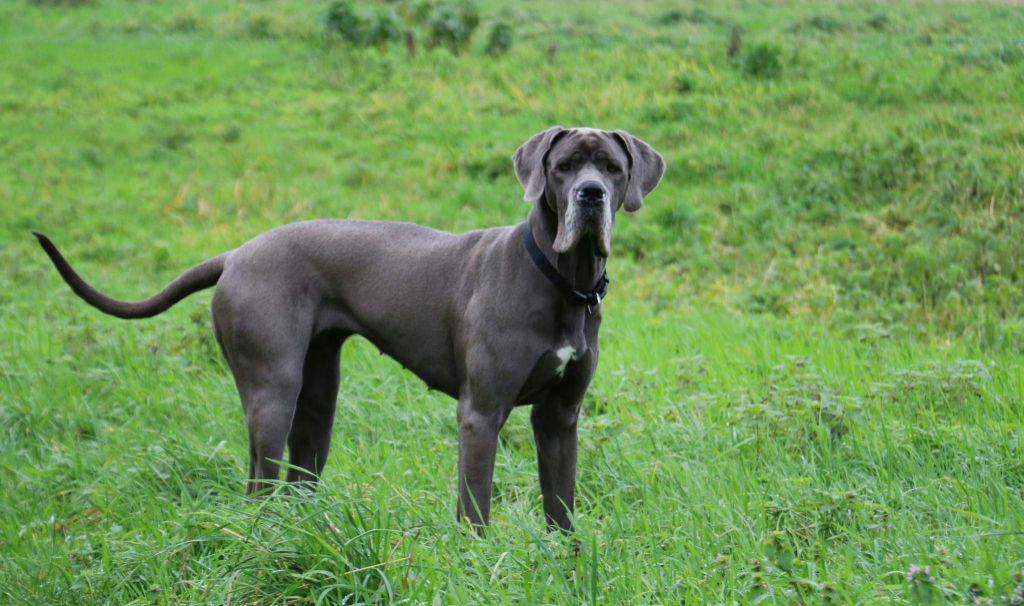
{"type": "Point", "coordinates": [494, 318]}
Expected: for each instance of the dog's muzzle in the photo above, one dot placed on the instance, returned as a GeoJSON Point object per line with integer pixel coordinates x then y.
{"type": "Point", "coordinates": [588, 212]}
{"type": "Point", "coordinates": [591, 194]}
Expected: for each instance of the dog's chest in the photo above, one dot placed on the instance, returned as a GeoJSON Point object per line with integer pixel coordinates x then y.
{"type": "Point", "coordinates": [559, 343]}
{"type": "Point", "coordinates": [564, 354]}
{"type": "Point", "coordinates": [550, 369]}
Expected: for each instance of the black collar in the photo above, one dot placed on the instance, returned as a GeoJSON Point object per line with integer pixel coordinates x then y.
{"type": "Point", "coordinates": [590, 298]}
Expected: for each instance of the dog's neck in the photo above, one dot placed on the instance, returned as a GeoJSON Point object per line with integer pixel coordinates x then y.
{"type": "Point", "coordinates": [581, 266]}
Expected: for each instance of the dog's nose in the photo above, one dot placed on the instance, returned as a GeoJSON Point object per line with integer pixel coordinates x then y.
{"type": "Point", "coordinates": [590, 192]}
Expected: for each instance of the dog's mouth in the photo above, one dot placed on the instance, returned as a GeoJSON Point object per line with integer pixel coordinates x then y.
{"type": "Point", "coordinates": [585, 220]}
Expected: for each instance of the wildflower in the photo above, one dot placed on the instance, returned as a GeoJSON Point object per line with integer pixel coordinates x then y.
{"type": "Point", "coordinates": [920, 575]}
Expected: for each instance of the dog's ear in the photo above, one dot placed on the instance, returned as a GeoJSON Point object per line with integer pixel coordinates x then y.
{"type": "Point", "coordinates": [646, 168]}
{"type": "Point", "coordinates": [529, 162]}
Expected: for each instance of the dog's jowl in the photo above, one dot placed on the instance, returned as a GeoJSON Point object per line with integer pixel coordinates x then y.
{"type": "Point", "coordinates": [494, 318]}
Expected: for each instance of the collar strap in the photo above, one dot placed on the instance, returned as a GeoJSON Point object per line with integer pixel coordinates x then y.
{"type": "Point", "coordinates": [590, 298]}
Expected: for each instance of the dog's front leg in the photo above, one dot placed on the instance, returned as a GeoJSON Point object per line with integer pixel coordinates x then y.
{"type": "Point", "coordinates": [478, 442]}
{"type": "Point", "coordinates": [554, 430]}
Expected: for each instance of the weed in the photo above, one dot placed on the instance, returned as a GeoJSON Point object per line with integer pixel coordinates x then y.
{"type": "Point", "coordinates": [947, 386]}
{"type": "Point", "coordinates": [186, 21]}
{"type": "Point", "coordinates": [383, 27]}
{"type": "Point", "coordinates": [499, 41]}
{"type": "Point", "coordinates": [342, 19]}
{"type": "Point", "coordinates": [447, 25]}
{"type": "Point", "coordinates": [452, 25]}
{"type": "Point", "coordinates": [796, 407]}
{"type": "Point", "coordinates": [879, 22]}
{"type": "Point", "coordinates": [695, 15]}
{"type": "Point", "coordinates": [762, 60]}
{"type": "Point", "coordinates": [826, 24]}
{"type": "Point", "coordinates": [260, 26]}
{"type": "Point", "coordinates": [63, 2]}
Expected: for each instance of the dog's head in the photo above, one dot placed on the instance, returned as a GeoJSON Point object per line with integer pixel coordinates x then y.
{"type": "Point", "coordinates": [584, 175]}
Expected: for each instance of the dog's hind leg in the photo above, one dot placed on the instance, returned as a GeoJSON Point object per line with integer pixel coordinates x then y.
{"type": "Point", "coordinates": [269, 398]}
{"type": "Point", "coordinates": [266, 354]}
{"type": "Point", "coordinates": [310, 437]}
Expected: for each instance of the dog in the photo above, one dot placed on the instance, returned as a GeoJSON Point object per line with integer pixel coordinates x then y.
{"type": "Point", "coordinates": [494, 318]}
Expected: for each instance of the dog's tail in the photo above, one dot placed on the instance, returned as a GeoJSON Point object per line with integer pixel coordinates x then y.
{"type": "Point", "coordinates": [199, 277]}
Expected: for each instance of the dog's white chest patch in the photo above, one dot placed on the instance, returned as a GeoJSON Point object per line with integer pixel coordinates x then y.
{"type": "Point", "coordinates": [564, 355]}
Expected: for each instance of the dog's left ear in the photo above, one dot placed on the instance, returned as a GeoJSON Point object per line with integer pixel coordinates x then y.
{"type": "Point", "coordinates": [646, 168]}
{"type": "Point", "coordinates": [529, 162]}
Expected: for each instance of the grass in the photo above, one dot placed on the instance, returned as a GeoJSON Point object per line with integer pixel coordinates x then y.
{"type": "Point", "coordinates": [812, 365]}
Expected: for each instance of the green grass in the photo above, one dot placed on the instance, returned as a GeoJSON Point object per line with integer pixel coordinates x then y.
{"type": "Point", "coordinates": [812, 369]}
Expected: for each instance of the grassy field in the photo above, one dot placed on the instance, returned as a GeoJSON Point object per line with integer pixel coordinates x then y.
{"type": "Point", "coordinates": [813, 349]}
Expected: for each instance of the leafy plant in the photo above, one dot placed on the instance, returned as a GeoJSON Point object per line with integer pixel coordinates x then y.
{"type": "Point", "coordinates": [762, 60]}
{"type": "Point", "coordinates": [500, 39]}
{"type": "Point", "coordinates": [452, 25]}
{"type": "Point", "coordinates": [447, 25]}
{"type": "Point", "coordinates": [383, 26]}
{"type": "Point", "coordinates": [342, 19]}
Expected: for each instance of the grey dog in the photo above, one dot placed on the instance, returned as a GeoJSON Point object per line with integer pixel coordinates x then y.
{"type": "Point", "coordinates": [494, 318]}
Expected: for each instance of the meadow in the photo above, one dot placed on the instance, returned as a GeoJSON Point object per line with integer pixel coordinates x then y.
{"type": "Point", "coordinates": [812, 365]}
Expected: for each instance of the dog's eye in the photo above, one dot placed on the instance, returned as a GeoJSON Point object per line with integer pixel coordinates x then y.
{"type": "Point", "coordinates": [614, 169]}
{"type": "Point", "coordinates": [564, 166]}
